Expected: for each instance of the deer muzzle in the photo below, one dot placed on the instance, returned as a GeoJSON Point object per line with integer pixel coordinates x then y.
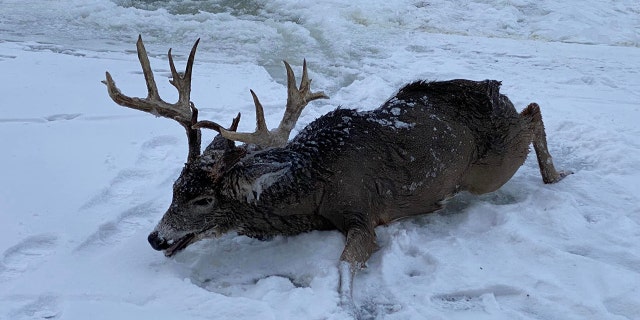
{"type": "Point", "coordinates": [157, 242]}
{"type": "Point", "coordinates": [170, 247]}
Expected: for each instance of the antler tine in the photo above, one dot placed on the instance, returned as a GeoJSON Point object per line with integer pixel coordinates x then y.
{"type": "Point", "coordinates": [261, 137]}
{"type": "Point", "coordinates": [206, 124]}
{"type": "Point", "coordinates": [291, 77]}
{"type": "Point", "coordinates": [297, 99]}
{"type": "Point", "coordinates": [261, 124]}
{"type": "Point", "coordinates": [182, 82]}
{"type": "Point", "coordinates": [305, 82]}
{"type": "Point", "coordinates": [152, 88]}
{"type": "Point", "coordinates": [183, 111]}
{"type": "Point", "coordinates": [235, 122]}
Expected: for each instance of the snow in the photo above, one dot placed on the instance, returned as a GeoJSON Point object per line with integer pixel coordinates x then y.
{"type": "Point", "coordinates": [83, 181]}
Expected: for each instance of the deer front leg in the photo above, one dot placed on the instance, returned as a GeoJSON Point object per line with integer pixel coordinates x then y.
{"type": "Point", "coordinates": [539, 138]}
{"type": "Point", "coordinates": [360, 244]}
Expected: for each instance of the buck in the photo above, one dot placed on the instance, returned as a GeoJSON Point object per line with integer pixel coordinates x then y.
{"type": "Point", "coordinates": [348, 170]}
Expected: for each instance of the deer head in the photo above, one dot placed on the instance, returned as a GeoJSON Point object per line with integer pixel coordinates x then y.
{"type": "Point", "coordinates": [195, 211]}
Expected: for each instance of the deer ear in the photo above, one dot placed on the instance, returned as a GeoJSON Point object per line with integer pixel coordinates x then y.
{"type": "Point", "coordinates": [219, 143]}
{"type": "Point", "coordinates": [224, 159]}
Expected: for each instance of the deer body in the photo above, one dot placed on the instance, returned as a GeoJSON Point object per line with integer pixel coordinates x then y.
{"type": "Point", "coordinates": [402, 159]}
{"type": "Point", "coordinates": [348, 170]}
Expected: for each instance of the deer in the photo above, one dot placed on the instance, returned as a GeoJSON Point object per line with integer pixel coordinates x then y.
{"type": "Point", "coordinates": [347, 170]}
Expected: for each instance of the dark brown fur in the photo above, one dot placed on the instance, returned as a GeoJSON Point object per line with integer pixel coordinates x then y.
{"type": "Point", "coordinates": [348, 170]}
{"type": "Point", "coordinates": [353, 171]}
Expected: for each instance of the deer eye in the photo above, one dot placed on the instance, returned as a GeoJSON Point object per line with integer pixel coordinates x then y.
{"type": "Point", "coordinates": [203, 201]}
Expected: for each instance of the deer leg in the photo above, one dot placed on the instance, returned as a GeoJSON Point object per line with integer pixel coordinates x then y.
{"type": "Point", "coordinates": [360, 244]}
{"type": "Point", "coordinates": [539, 139]}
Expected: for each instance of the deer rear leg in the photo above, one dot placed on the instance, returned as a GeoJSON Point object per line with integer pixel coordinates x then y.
{"type": "Point", "coordinates": [360, 244]}
{"type": "Point", "coordinates": [539, 139]}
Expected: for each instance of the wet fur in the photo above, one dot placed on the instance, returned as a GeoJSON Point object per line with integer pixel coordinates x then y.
{"type": "Point", "coordinates": [422, 146]}
{"type": "Point", "coordinates": [354, 170]}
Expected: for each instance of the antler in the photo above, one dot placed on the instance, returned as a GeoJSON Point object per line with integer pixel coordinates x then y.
{"type": "Point", "coordinates": [183, 111]}
{"type": "Point", "coordinates": [297, 99]}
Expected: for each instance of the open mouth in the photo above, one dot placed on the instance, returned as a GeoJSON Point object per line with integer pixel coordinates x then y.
{"type": "Point", "coordinates": [180, 244]}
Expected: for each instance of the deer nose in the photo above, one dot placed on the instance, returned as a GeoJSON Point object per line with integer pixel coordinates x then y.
{"type": "Point", "coordinates": [157, 242]}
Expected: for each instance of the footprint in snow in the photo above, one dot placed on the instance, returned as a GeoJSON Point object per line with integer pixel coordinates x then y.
{"type": "Point", "coordinates": [483, 299]}
{"type": "Point", "coordinates": [123, 227]}
{"type": "Point", "coordinates": [404, 259]}
{"type": "Point", "coordinates": [7, 57]}
{"type": "Point", "coordinates": [51, 118]}
{"type": "Point", "coordinates": [156, 164]}
{"type": "Point", "coordinates": [45, 306]}
{"type": "Point", "coordinates": [26, 255]}
{"type": "Point", "coordinates": [401, 263]}
{"type": "Point", "coordinates": [124, 187]}
{"type": "Point", "coordinates": [159, 149]}
{"type": "Point", "coordinates": [62, 116]}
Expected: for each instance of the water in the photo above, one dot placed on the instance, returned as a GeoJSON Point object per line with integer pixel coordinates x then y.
{"type": "Point", "coordinates": [344, 41]}
{"type": "Point", "coordinates": [257, 30]}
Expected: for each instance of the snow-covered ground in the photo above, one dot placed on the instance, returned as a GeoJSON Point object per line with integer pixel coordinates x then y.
{"type": "Point", "coordinates": [83, 181]}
